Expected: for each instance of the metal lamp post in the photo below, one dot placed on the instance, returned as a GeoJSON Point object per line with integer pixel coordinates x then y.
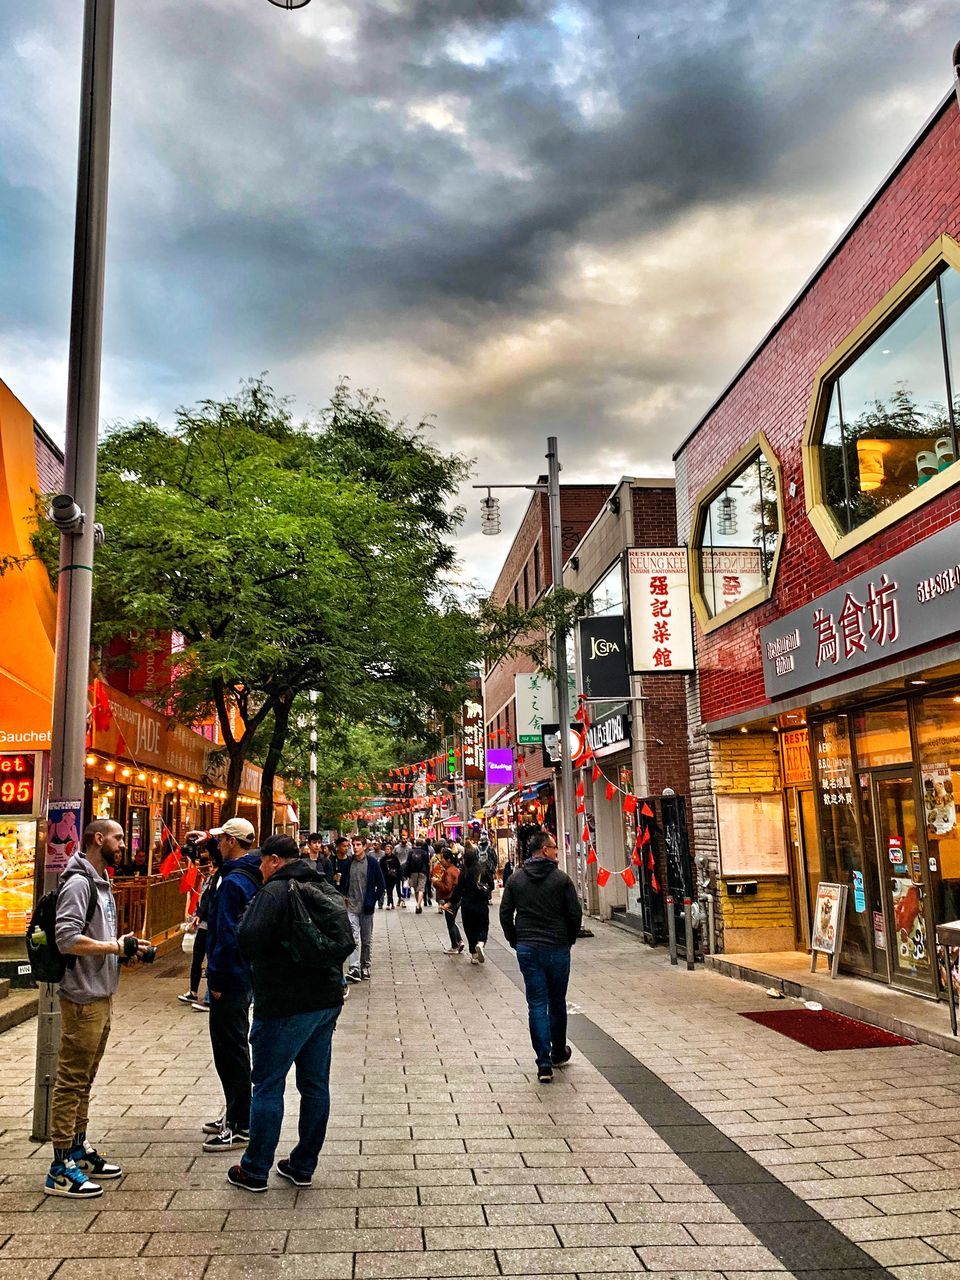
{"type": "Point", "coordinates": [73, 511]}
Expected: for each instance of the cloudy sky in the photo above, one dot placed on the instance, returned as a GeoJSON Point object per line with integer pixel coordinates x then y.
{"type": "Point", "coordinates": [522, 217]}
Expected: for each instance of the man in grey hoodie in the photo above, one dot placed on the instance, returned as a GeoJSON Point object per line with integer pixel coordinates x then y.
{"type": "Point", "coordinates": [87, 934]}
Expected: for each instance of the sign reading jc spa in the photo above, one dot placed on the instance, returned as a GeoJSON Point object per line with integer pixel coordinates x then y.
{"type": "Point", "coordinates": [661, 626]}
{"type": "Point", "coordinates": [910, 600]}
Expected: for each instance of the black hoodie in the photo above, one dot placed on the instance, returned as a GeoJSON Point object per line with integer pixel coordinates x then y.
{"type": "Point", "coordinates": [540, 907]}
{"type": "Point", "coordinates": [280, 989]}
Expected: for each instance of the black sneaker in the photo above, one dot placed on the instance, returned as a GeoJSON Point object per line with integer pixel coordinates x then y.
{"type": "Point", "coordinates": [564, 1057]}
{"type": "Point", "coordinates": [365, 974]}
{"type": "Point", "coordinates": [65, 1179]}
{"type": "Point", "coordinates": [214, 1126]}
{"type": "Point", "coordinates": [286, 1170]}
{"type": "Point", "coordinates": [89, 1160]}
{"type": "Point", "coordinates": [545, 1075]}
{"type": "Point", "coordinates": [187, 998]}
{"type": "Point", "coordinates": [353, 975]}
{"type": "Point", "coordinates": [227, 1140]}
{"type": "Point", "coordinates": [237, 1176]}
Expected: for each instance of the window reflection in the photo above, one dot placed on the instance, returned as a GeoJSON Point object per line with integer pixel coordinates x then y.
{"type": "Point", "coordinates": [890, 427]}
{"type": "Point", "coordinates": [740, 534]}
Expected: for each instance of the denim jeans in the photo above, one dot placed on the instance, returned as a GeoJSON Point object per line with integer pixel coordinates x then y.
{"type": "Point", "coordinates": [362, 926]}
{"type": "Point", "coordinates": [546, 971]}
{"type": "Point", "coordinates": [305, 1039]}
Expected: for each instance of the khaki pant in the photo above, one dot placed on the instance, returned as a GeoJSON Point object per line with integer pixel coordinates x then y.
{"type": "Point", "coordinates": [84, 1029]}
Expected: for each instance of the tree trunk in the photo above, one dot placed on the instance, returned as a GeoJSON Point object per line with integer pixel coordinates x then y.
{"type": "Point", "coordinates": [237, 755]}
{"type": "Point", "coordinates": [278, 739]}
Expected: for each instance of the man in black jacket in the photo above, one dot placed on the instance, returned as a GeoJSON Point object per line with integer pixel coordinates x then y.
{"type": "Point", "coordinates": [540, 916]}
{"type": "Point", "coordinates": [295, 1012]}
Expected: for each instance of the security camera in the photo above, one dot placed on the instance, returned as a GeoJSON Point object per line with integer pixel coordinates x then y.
{"type": "Point", "coordinates": [65, 514]}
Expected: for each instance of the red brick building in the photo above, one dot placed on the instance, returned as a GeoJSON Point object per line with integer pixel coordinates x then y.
{"type": "Point", "coordinates": [819, 498]}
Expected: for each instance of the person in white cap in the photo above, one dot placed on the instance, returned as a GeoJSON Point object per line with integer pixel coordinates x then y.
{"type": "Point", "coordinates": [229, 982]}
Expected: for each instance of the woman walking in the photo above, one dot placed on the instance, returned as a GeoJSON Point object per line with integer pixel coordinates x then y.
{"type": "Point", "coordinates": [392, 873]}
{"type": "Point", "coordinates": [446, 876]}
{"type": "Point", "coordinates": [472, 894]}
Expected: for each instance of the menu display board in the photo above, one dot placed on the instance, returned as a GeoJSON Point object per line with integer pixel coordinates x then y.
{"type": "Point", "coordinates": [829, 914]}
{"type": "Point", "coordinates": [752, 837]}
{"type": "Point", "coordinates": [18, 851]}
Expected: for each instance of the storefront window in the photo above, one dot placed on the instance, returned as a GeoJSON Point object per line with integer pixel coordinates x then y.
{"type": "Point", "coordinates": [18, 847]}
{"type": "Point", "coordinates": [607, 595]}
{"type": "Point", "coordinates": [738, 540]}
{"type": "Point", "coordinates": [938, 737]}
{"type": "Point", "coordinates": [882, 736]}
{"type": "Point", "coordinates": [889, 426]}
{"type": "Point", "coordinates": [841, 849]}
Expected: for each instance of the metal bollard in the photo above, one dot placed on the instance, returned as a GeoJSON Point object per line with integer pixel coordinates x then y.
{"type": "Point", "coordinates": [688, 932]}
{"type": "Point", "coordinates": [671, 931]}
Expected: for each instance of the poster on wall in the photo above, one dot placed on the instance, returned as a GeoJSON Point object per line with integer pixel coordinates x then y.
{"type": "Point", "coordinates": [939, 801]}
{"type": "Point", "coordinates": [752, 837]}
{"type": "Point", "coordinates": [661, 625]}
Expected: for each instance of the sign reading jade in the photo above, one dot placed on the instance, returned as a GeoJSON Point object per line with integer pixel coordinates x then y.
{"type": "Point", "coordinates": [909, 600]}
{"type": "Point", "coordinates": [661, 629]}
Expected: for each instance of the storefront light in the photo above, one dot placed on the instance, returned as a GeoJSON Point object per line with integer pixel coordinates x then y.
{"type": "Point", "coordinates": [169, 784]}
{"type": "Point", "coordinates": [91, 760]}
{"type": "Point", "coordinates": [744, 729]}
{"type": "Point", "coordinates": [179, 786]}
{"type": "Point", "coordinates": [110, 767]}
{"type": "Point", "coordinates": [142, 777]}
{"type": "Point", "coordinates": [126, 772]}
{"type": "Point", "coordinates": [192, 789]}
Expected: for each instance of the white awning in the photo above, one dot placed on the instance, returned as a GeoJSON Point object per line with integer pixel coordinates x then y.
{"type": "Point", "coordinates": [501, 797]}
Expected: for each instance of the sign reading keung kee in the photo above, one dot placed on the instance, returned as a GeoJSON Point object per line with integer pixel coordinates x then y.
{"type": "Point", "coordinates": [661, 628]}
{"type": "Point", "coordinates": [909, 600]}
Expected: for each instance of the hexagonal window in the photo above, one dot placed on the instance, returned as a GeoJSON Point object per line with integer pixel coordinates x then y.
{"type": "Point", "coordinates": [882, 436]}
{"type": "Point", "coordinates": [737, 535]}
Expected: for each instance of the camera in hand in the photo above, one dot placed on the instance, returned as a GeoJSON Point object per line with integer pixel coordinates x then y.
{"type": "Point", "coordinates": [130, 950]}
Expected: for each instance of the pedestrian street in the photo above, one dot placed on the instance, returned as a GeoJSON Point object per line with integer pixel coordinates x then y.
{"type": "Point", "coordinates": [682, 1139]}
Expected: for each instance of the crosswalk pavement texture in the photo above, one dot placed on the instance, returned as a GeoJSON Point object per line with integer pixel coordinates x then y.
{"type": "Point", "coordinates": [682, 1139]}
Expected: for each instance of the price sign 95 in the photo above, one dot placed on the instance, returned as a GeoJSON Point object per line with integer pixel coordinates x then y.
{"type": "Point", "coordinates": [17, 783]}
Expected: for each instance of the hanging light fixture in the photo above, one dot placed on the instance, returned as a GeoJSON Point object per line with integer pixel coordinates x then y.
{"type": "Point", "coordinates": [290, 4]}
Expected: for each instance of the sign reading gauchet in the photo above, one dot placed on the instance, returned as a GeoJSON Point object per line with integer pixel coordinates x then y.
{"type": "Point", "coordinates": [602, 649]}
{"type": "Point", "coordinates": [909, 600]}
{"type": "Point", "coordinates": [661, 627]}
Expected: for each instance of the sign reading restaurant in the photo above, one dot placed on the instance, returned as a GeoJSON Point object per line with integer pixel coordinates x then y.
{"type": "Point", "coordinates": [910, 600]}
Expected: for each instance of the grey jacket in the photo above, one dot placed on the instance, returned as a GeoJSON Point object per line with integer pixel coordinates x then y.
{"type": "Point", "coordinates": [91, 977]}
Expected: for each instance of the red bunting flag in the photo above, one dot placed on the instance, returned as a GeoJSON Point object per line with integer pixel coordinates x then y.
{"type": "Point", "coordinates": [591, 856]}
{"type": "Point", "coordinates": [581, 789]}
{"type": "Point", "coordinates": [189, 878]}
{"type": "Point", "coordinates": [603, 875]}
{"type": "Point", "coordinates": [654, 883]}
{"type": "Point", "coordinates": [646, 810]}
{"type": "Point", "coordinates": [122, 748]}
{"type": "Point", "coordinates": [650, 862]}
{"type": "Point", "coordinates": [102, 715]}
{"type": "Point", "coordinates": [645, 836]}
{"type": "Point", "coordinates": [629, 804]}
{"type": "Point", "coordinates": [597, 773]}
{"type": "Point", "coordinates": [170, 863]}
{"type": "Point", "coordinates": [585, 834]}
{"type": "Point", "coordinates": [611, 790]}
{"type": "Point", "coordinates": [629, 879]}
{"type": "Point", "coordinates": [581, 808]}
{"type": "Point", "coordinates": [635, 857]}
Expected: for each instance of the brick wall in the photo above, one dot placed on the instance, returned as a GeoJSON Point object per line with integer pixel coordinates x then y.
{"type": "Point", "coordinates": [920, 203]}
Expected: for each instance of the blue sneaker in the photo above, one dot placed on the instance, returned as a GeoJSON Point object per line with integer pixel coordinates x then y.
{"type": "Point", "coordinates": [89, 1161]}
{"type": "Point", "coordinates": [65, 1179]}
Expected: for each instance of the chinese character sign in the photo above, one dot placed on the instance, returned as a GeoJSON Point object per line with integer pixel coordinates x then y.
{"type": "Point", "coordinates": [536, 702]}
{"type": "Point", "coordinates": [660, 622]}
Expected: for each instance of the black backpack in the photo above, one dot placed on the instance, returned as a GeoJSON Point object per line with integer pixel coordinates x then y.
{"type": "Point", "coordinates": [319, 935]}
{"type": "Point", "coordinates": [47, 961]}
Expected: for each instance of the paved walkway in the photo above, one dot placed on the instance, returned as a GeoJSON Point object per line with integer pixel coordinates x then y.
{"type": "Point", "coordinates": [682, 1139]}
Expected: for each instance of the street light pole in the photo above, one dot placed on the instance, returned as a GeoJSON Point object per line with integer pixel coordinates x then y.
{"type": "Point", "coordinates": [75, 581]}
{"type": "Point", "coordinates": [566, 826]}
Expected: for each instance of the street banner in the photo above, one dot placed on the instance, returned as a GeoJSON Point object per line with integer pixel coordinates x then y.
{"type": "Point", "coordinates": [661, 625]}
{"type": "Point", "coordinates": [602, 652]}
{"type": "Point", "coordinates": [499, 767]}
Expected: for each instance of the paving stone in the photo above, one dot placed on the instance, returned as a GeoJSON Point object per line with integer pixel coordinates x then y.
{"type": "Point", "coordinates": [356, 1241]}
{"type": "Point", "coordinates": [72, 1244]}
{"type": "Point", "coordinates": [300, 1266]}
{"type": "Point", "coordinates": [522, 1262]}
{"type": "Point", "coordinates": [725, 1258]}
{"type": "Point", "coordinates": [447, 1263]}
{"type": "Point", "coordinates": [624, 1233]}
{"type": "Point", "coordinates": [172, 1243]}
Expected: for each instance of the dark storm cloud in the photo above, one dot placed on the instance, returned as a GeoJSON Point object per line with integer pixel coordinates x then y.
{"type": "Point", "coordinates": [491, 209]}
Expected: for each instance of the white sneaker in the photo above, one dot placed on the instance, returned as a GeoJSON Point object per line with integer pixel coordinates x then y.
{"type": "Point", "coordinates": [481, 957]}
{"type": "Point", "coordinates": [474, 960]}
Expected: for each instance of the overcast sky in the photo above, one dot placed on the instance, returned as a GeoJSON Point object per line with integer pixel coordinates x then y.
{"type": "Point", "coordinates": [522, 217]}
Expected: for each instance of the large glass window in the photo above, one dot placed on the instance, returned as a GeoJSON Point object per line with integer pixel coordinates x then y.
{"type": "Point", "coordinates": [607, 595]}
{"type": "Point", "coordinates": [738, 541]}
{"type": "Point", "coordinates": [891, 424]}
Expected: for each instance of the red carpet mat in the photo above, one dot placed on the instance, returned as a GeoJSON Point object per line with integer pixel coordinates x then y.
{"type": "Point", "coordinates": [824, 1031]}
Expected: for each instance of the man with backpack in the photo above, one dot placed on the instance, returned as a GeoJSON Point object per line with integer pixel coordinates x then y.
{"type": "Point", "coordinates": [418, 870]}
{"type": "Point", "coordinates": [295, 937]}
{"type": "Point", "coordinates": [229, 982]}
{"type": "Point", "coordinates": [85, 928]}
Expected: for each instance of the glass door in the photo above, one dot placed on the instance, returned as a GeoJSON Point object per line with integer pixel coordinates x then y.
{"type": "Point", "coordinates": [904, 878]}
{"type": "Point", "coordinates": [805, 868]}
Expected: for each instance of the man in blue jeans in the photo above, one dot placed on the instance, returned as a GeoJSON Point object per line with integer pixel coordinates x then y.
{"type": "Point", "coordinates": [297, 998]}
{"type": "Point", "coordinates": [540, 916]}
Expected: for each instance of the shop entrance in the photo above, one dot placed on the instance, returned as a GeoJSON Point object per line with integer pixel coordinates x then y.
{"type": "Point", "coordinates": [805, 868]}
{"type": "Point", "coordinates": [891, 811]}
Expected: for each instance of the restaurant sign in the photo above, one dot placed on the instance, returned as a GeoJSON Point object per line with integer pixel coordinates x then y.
{"type": "Point", "coordinates": [909, 600]}
{"type": "Point", "coordinates": [610, 732]}
{"type": "Point", "coordinates": [661, 626]}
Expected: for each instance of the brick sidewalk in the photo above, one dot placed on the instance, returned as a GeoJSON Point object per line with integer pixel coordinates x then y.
{"type": "Point", "coordinates": [445, 1158]}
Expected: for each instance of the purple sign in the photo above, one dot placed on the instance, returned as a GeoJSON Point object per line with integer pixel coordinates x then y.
{"type": "Point", "coordinates": [500, 766]}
